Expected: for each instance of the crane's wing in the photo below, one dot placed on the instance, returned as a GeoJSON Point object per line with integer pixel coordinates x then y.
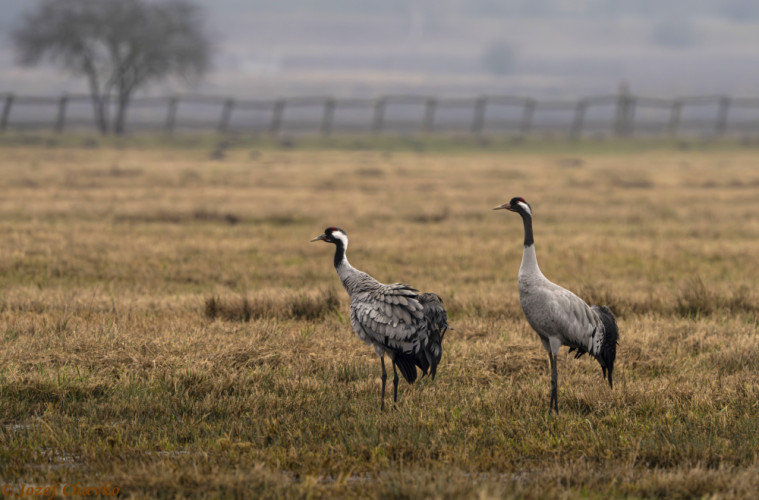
{"type": "Point", "coordinates": [390, 315]}
{"type": "Point", "coordinates": [574, 320]}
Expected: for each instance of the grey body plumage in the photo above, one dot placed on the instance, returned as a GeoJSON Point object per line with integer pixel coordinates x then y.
{"type": "Point", "coordinates": [395, 319]}
{"type": "Point", "coordinates": [558, 316]}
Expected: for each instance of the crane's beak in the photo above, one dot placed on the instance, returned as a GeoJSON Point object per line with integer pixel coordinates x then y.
{"type": "Point", "coordinates": [505, 206]}
{"type": "Point", "coordinates": [320, 237]}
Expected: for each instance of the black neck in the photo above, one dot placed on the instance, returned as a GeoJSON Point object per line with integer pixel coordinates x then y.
{"type": "Point", "coordinates": [527, 219]}
{"type": "Point", "coordinates": [339, 252]}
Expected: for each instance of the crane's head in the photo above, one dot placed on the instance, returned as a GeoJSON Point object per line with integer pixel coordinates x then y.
{"type": "Point", "coordinates": [516, 204]}
{"type": "Point", "coordinates": [333, 235]}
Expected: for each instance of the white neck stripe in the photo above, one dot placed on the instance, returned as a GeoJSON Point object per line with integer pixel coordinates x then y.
{"type": "Point", "coordinates": [339, 235]}
{"type": "Point", "coordinates": [525, 207]}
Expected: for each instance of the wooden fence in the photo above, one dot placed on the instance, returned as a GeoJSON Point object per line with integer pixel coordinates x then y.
{"type": "Point", "coordinates": [621, 115]}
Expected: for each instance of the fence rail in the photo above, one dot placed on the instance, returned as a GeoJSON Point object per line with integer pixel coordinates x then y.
{"type": "Point", "coordinates": [623, 114]}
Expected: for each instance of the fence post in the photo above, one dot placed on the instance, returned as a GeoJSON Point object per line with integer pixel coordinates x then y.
{"type": "Point", "coordinates": [674, 119]}
{"type": "Point", "coordinates": [226, 114]}
{"type": "Point", "coordinates": [276, 117]}
{"type": "Point", "coordinates": [328, 116]}
{"type": "Point", "coordinates": [724, 108]}
{"type": "Point", "coordinates": [623, 111]}
{"type": "Point", "coordinates": [171, 114]}
{"type": "Point", "coordinates": [618, 119]}
{"type": "Point", "coordinates": [630, 118]}
{"type": "Point", "coordinates": [527, 115]}
{"type": "Point", "coordinates": [60, 121]}
{"type": "Point", "coordinates": [478, 120]}
{"type": "Point", "coordinates": [429, 114]}
{"type": "Point", "coordinates": [379, 115]}
{"type": "Point", "coordinates": [6, 112]}
{"type": "Point", "coordinates": [575, 131]}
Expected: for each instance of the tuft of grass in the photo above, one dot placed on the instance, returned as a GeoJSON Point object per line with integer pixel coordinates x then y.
{"type": "Point", "coordinates": [427, 218]}
{"type": "Point", "coordinates": [282, 305]}
{"type": "Point", "coordinates": [696, 300]}
{"type": "Point", "coordinates": [197, 215]}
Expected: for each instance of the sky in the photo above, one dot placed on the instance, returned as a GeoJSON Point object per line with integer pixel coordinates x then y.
{"type": "Point", "coordinates": [541, 48]}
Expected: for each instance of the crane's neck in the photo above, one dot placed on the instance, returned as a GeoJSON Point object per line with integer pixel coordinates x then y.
{"type": "Point", "coordinates": [345, 271]}
{"type": "Point", "coordinates": [529, 264]}
{"type": "Point", "coordinates": [527, 220]}
{"type": "Point", "coordinates": [353, 280]}
{"type": "Point", "coordinates": [340, 258]}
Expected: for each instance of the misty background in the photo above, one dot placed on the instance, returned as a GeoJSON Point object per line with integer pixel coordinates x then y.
{"type": "Point", "coordinates": [538, 48]}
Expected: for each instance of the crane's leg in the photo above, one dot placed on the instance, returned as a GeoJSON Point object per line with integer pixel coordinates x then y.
{"type": "Point", "coordinates": [552, 345]}
{"type": "Point", "coordinates": [554, 403]}
{"type": "Point", "coordinates": [384, 378]}
{"type": "Point", "coordinates": [395, 384]}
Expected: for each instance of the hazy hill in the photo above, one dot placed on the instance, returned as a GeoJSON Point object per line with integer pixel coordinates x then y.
{"type": "Point", "coordinates": [555, 47]}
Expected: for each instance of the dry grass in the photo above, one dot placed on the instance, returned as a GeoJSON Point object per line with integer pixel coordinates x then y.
{"type": "Point", "coordinates": [167, 328]}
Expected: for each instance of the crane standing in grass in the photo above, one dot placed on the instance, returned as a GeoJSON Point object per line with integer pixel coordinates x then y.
{"type": "Point", "coordinates": [557, 315]}
{"type": "Point", "coordinates": [395, 319]}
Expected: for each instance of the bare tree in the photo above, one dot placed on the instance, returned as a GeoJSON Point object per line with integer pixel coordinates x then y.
{"type": "Point", "coordinates": [118, 45]}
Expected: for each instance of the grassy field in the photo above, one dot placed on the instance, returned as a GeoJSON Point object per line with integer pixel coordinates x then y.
{"type": "Point", "coordinates": [167, 329]}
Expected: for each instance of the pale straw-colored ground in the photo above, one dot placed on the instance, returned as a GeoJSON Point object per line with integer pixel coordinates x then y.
{"type": "Point", "coordinates": [167, 328]}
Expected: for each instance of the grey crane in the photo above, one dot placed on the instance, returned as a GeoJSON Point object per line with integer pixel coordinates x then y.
{"type": "Point", "coordinates": [559, 316]}
{"type": "Point", "coordinates": [395, 319]}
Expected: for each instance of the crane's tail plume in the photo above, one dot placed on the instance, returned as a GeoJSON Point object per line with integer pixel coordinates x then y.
{"type": "Point", "coordinates": [437, 324]}
{"type": "Point", "coordinates": [406, 363]}
{"type": "Point", "coordinates": [608, 352]}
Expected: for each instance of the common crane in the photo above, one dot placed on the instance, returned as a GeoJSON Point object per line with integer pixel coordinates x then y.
{"type": "Point", "coordinates": [395, 319]}
{"type": "Point", "coordinates": [559, 316]}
